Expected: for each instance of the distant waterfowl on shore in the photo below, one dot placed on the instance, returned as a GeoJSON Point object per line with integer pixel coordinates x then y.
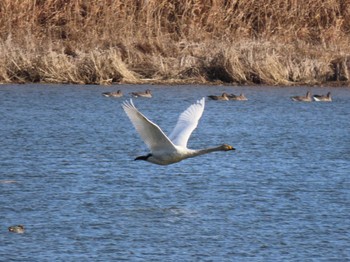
{"type": "Point", "coordinates": [113, 94]}
{"type": "Point", "coordinates": [323, 98]}
{"type": "Point", "coordinates": [223, 97]}
{"type": "Point", "coordinates": [306, 98]}
{"type": "Point", "coordinates": [17, 229]}
{"type": "Point", "coordinates": [147, 94]}
{"type": "Point", "coordinates": [241, 97]}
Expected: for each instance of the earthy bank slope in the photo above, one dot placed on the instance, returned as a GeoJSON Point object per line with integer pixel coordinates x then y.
{"type": "Point", "coordinates": [274, 42]}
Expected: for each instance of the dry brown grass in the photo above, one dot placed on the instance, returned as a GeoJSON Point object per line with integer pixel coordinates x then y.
{"type": "Point", "coordinates": [275, 42]}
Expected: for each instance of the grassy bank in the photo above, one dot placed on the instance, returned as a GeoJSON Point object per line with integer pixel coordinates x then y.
{"type": "Point", "coordinates": [274, 42]}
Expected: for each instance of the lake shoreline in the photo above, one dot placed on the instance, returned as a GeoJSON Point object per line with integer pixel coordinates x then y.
{"type": "Point", "coordinates": [169, 83]}
{"type": "Point", "coordinates": [246, 63]}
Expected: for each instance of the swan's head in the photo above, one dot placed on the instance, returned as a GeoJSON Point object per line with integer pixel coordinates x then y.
{"type": "Point", "coordinates": [226, 147]}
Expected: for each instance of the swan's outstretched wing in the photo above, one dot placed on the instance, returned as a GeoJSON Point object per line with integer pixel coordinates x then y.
{"type": "Point", "coordinates": [151, 133]}
{"type": "Point", "coordinates": [187, 122]}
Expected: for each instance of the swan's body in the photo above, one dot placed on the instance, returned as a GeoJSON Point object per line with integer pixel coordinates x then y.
{"type": "Point", "coordinates": [306, 98]}
{"type": "Point", "coordinates": [241, 97]}
{"type": "Point", "coordinates": [146, 94]}
{"type": "Point", "coordinates": [168, 150]}
{"type": "Point", "coordinates": [323, 98]}
{"type": "Point", "coordinates": [223, 97]}
{"type": "Point", "coordinates": [113, 94]}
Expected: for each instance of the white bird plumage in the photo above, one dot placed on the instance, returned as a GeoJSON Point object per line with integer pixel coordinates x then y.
{"type": "Point", "coordinates": [168, 150]}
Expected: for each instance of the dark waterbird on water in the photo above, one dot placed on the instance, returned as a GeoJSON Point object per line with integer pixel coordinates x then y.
{"type": "Point", "coordinates": [113, 94]}
{"type": "Point", "coordinates": [223, 97]}
{"type": "Point", "coordinates": [323, 98]}
{"type": "Point", "coordinates": [306, 98]}
{"type": "Point", "coordinates": [241, 97]}
{"type": "Point", "coordinates": [17, 229]}
{"type": "Point", "coordinates": [147, 94]}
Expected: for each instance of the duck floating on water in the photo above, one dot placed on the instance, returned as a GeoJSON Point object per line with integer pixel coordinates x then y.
{"type": "Point", "coordinates": [223, 97]}
{"type": "Point", "coordinates": [113, 94]}
{"type": "Point", "coordinates": [323, 98]}
{"type": "Point", "coordinates": [19, 229]}
{"type": "Point", "coordinates": [147, 94]}
{"type": "Point", "coordinates": [241, 97]}
{"type": "Point", "coordinates": [306, 98]}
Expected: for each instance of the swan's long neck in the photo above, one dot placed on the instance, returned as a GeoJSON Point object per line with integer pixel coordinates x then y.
{"type": "Point", "coordinates": [203, 151]}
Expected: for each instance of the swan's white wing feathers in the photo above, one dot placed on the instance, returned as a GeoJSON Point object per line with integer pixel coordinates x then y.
{"type": "Point", "coordinates": [187, 122]}
{"type": "Point", "coordinates": [151, 133]}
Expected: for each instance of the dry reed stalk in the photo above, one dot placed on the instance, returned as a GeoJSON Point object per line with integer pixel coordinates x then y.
{"type": "Point", "coordinates": [95, 67]}
{"type": "Point", "coordinates": [59, 68]}
{"type": "Point", "coordinates": [271, 42]}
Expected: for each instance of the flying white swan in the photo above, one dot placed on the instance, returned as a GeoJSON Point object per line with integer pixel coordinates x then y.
{"type": "Point", "coordinates": [168, 150]}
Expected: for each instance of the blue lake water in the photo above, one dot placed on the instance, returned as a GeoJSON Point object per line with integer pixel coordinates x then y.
{"type": "Point", "coordinates": [67, 174]}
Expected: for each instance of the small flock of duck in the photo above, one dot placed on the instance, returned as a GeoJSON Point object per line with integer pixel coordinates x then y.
{"type": "Point", "coordinates": [226, 97]}
{"type": "Point", "coordinates": [148, 94]}
{"type": "Point", "coordinates": [119, 93]}
{"type": "Point", "coordinates": [308, 98]}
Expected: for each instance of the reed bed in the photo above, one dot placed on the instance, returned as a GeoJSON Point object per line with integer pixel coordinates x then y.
{"type": "Point", "coordinates": [274, 42]}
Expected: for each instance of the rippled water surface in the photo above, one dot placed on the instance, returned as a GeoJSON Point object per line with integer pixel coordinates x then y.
{"type": "Point", "coordinates": [67, 174]}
